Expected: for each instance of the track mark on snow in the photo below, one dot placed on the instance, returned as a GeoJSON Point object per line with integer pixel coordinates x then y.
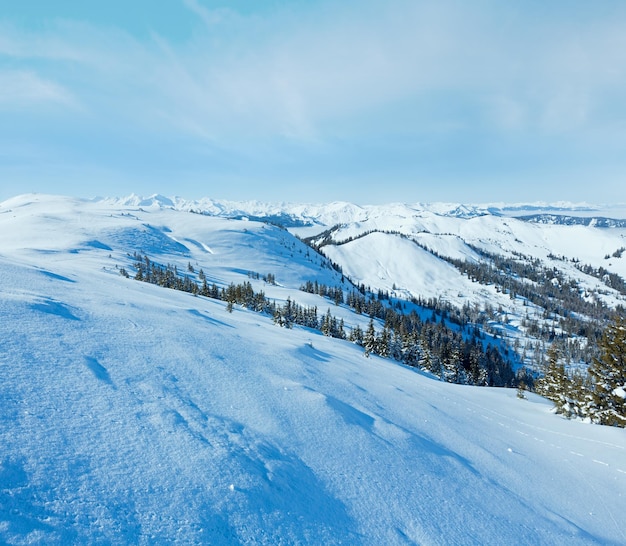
{"type": "Point", "coordinates": [600, 462]}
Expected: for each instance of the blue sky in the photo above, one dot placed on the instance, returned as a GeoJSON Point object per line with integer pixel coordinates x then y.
{"type": "Point", "coordinates": [367, 101]}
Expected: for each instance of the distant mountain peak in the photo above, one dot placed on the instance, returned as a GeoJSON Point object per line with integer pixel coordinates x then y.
{"type": "Point", "coordinates": [343, 212]}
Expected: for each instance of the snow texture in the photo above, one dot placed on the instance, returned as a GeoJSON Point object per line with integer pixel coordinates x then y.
{"type": "Point", "coordinates": [133, 414]}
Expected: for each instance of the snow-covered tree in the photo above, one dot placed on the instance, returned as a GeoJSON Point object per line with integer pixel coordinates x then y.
{"type": "Point", "coordinates": [356, 335]}
{"type": "Point", "coordinates": [369, 339]}
{"type": "Point", "coordinates": [608, 374]}
{"type": "Point", "coordinates": [553, 384]}
{"type": "Point", "coordinates": [566, 392]}
{"type": "Point", "coordinates": [327, 323]}
{"type": "Point", "coordinates": [383, 342]}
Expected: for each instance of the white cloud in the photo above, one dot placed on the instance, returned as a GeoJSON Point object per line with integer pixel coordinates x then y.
{"type": "Point", "coordinates": [53, 46]}
{"type": "Point", "coordinates": [24, 88]}
{"type": "Point", "coordinates": [302, 74]}
{"type": "Point", "coordinates": [210, 17]}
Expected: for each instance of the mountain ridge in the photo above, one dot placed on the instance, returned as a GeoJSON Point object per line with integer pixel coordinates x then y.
{"type": "Point", "coordinates": [524, 309]}
{"type": "Point", "coordinates": [339, 212]}
{"type": "Point", "coordinates": [133, 413]}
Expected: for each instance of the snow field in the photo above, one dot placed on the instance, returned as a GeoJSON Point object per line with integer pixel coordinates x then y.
{"type": "Point", "coordinates": [130, 413]}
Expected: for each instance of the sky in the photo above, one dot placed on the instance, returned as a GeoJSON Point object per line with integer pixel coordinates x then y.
{"type": "Point", "coordinates": [367, 101]}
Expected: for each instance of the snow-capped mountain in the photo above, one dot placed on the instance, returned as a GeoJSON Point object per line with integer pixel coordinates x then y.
{"type": "Point", "coordinates": [329, 214]}
{"type": "Point", "coordinates": [424, 251]}
{"type": "Point", "coordinates": [133, 413]}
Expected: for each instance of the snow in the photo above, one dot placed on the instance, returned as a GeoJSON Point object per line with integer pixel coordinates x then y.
{"type": "Point", "coordinates": [401, 263]}
{"type": "Point", "coordinates": [130, 413]}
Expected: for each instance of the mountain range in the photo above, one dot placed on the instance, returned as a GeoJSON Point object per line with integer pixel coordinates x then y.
{"type": "Point", "coordinates": [133, 412]}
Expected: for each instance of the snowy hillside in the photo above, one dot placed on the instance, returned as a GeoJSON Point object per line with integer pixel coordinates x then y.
{"type": "Point", "coordinates": [135, 414]}
{"type": "Point", "coordinates": [534, 230]}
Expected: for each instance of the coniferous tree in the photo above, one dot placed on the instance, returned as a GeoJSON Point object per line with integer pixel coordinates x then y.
{"type": "Point", "coordinates": [382, 343]}
{"type": "Point", "coordinates": [278, 316]}
{"type": "Point", "coordinates": [369, 339]}
{"type": "Point", "coordinates": [608, 374]}
{"type": "Point", "coordinates": [395, 346]}
{"type": "Point", "coordinates": [341, 332]}
{"type": "Point", "coordinates": [553, 383]}
{"type": "Point", "coordinates": [578, 396]}
{"type": "Point", "coordinates": [356, 335]}
{"type": "Point", "coordinates": [327, 324]}
{"type": "Point", "coordinates": [411, 349]}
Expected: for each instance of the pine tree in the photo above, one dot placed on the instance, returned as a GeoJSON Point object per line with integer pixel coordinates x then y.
{"type": "Point", "coordinates": [452, 370]}
{"type": "Point", "coordinates": [382, 343]}
{"type": "Point", "coordinates": [577, 396]}
{"type": "Point", "coordinates": [278, 316]}
{"type": "Point", "coordinates": [395, 346]}
{"type": "Point", "coordinates": [608, 374]}
{"type": "Point", "coordinates": [369, 340]}
{"type": "Point", "coordinates": [327, 324]}
{"type": "Point", "coordinates": [411, 349]}
{"type": "Point", "coordinates": [288, 313]}
{"type": "Point", "coordinates": [554, 384]}
{"type": "Point", "coordinates": [341, 331]}
{"type": "Point", "coordinates": [356, 335]}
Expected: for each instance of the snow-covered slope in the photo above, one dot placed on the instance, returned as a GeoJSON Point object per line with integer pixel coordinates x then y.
{"type": "Point", "coordinates": [561, 235]}
{"type": "Point", "coordinates": [130, 413]}
{"type": "Point", "coordinates": [391, 263]}
{"type": "Point", "coordinates": [494, 227]}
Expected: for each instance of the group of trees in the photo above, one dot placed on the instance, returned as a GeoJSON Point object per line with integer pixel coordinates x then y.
{"type": "Point", "coordinates": [600, 395]}
{"type": "Point", "coordinates": [558, 306]}
{"type": "Point", "coordinates": [449, 348]}
{"type": "Point", "coordinates": [612, 280]}
{"type": "Point", "coordinates": [441, 344]}
{"type": "Point", "coordinates": [561, 308]}
{"type": "Point", "coordinates": [454, 355]}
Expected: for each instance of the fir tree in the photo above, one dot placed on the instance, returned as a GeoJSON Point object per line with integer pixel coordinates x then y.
{"type": "Point", "coordinates": [553, 385]}
{"type": "Point", "coordinates": [327, 324]}
{"type": "Point", "coordinates": [608, 374]}
{"type": "Point", "coordinates": [383, 342]}
{"type": "Point", "coordinates": [369, 339]}
{"type": "Point", "coordinates": [341, 331]}
{"type": "Point", "coordinates": [356, 335]}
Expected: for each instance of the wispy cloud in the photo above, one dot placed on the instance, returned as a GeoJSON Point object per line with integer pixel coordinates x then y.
{"type": "Point", "coordinates": [298, 77]}
{"type": "Point", "coordinates": [210, 17]}
{"type": "Point", "coordinates": [327, 78]}
{"type": "Point", "coordinates": [21, 88]}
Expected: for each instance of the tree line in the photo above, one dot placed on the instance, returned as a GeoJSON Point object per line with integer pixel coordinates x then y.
{"type": "Point", "coordinates": [454, 355]}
